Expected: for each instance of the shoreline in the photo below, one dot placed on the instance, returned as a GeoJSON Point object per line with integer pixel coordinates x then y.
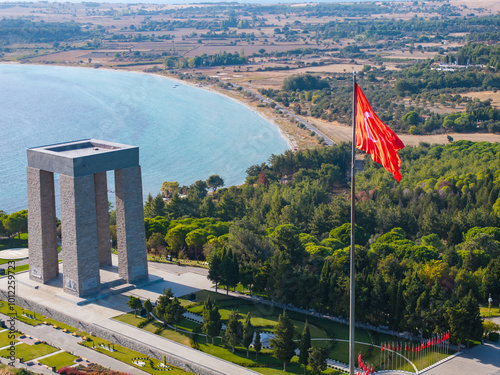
{"type": "Point", "coordinates": [291, 141]}
{"type": "Point", "coordinates": [21, 204]}
{"type": "Point", "coordinates": [288, 138]}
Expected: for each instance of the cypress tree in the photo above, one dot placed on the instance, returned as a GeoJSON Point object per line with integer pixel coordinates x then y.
{"type": "Point", "coordinates": [214, 271]}
{"type": "Point", "coordinates": [257, 345]}
{"type": "Point", "coordinates": [317, 359]}
{"type": "Point", "coordinates": [247, 332]}
{"type": "Point", "coordinates": [283, 344]}
{"type": "Point", "coordinates": [207, 310]}
{"type": "Point", "coordinates": [234, 331]}
{"type": "Point", "coordinates": [216, 322]}
{"type": "Point", "coordinates": [305, 345]}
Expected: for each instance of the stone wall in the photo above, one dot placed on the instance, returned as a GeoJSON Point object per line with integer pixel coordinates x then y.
{"type": "Point", "coordinates": [114, 337]}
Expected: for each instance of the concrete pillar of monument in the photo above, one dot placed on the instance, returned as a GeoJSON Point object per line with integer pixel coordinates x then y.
{"type": "Point", "coordinates": [79, 235]}
{"type": "Point", "coordinates": [102, 212]}
{"type": "Point", "coordinates": [132, 253]}
{"type": "Point", "coordinates": [42, 241]}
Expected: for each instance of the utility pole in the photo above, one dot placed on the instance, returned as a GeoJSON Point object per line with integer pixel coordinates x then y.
{"type": "Point", "coordinates": [490, 300]}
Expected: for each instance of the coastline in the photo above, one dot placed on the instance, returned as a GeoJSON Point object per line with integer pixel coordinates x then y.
{"type": "Point", "coordinates": [336, 131]}
{"type": "Point", "coordinates": [15, 199]}
{"type": "Point", "coordinates": [289, 139]}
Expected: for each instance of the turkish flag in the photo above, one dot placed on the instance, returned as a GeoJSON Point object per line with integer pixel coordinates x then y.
{"type": "Point", "coordinates": [375, 138]}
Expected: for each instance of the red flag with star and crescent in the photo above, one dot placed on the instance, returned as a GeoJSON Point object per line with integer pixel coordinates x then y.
{"type": "Point", "coordinates": [375, 138]}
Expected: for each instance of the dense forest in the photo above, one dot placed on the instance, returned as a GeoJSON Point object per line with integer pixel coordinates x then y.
{"type": "Point", "coordinates": [427, 249]}
{"type": "Point", "coordinates": [25, 31]}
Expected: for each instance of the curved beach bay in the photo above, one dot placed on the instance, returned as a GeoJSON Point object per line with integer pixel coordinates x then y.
{"type": "Point", "coordinates": [184, 133]}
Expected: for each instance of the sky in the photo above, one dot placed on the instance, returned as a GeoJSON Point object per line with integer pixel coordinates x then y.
{"type": "Point", "coordinates": [200, 1]}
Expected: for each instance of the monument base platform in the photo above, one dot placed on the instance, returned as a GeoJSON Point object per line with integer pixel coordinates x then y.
{"type": "Point", "coordinates": [111, 284]}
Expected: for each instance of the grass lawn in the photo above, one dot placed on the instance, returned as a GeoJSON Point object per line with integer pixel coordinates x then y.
{"type": "Point", "coordinates": [264, 318]}
{"type": "Point", "coordinates": [13, 310]}
{"type": "Point", "coordinates": [29, 352]}
{"type": "Point", "coordinates": [22, 268]}
{"type": "Point", "coordinates": [38, 318]}
{"type": "Point", "coordinates": [3, 261]}
{"type": "Point", "coordinates": [427, 360]}
{"type": "Point", "coordinates": [495, 311]}
{"type": "Point", "coordinates": [129, 318]}
{"type": "Point", "coordinates": [292, 368]}
{"type": "Point", "coordinates": [5, 340]}
{"type": "Point", "coordinates": [13, 243]}
{"type": "Point", "coordinates": [59, 360]}
{"type": "Point", "coordinates": [125, 355]}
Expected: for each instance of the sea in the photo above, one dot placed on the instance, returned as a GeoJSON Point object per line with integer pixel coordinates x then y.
{"type": "Point", "coordinates": [184, 133]}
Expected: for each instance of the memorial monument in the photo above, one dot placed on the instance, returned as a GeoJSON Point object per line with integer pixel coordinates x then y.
{"type": "Point", "coordinates": [82, 166]}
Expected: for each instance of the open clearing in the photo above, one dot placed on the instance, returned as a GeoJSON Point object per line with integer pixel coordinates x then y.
{"type": "Point", "coordinates": [484, 95]}
{"type": "Point", "coordinates": [343, 133]}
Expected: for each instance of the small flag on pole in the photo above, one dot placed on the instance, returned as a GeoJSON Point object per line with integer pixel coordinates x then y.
{"type": "Point", "coordinates": [375, 138]}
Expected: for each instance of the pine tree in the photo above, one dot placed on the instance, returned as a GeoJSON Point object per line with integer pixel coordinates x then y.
{"type": "Point", "coordinates": [257, 345]}
{"type": "Point", "coordinates": [135, 304]}
{"type": "Point", "coordinates": [234, 331]}
{"type": "Point", "coordinates": [148, 306]}
{"type": "Point", "coordinates": [283, 344]}
{"type": "Point", "coordinates": [162, 302]}
{"type": "Point", "coordinates": [173, 313]}
{"type": "Point", "coordinates": [304, 346]}
{"type": "Point", "coordinates": [474, 320]}
{"type": "Point", "coordinates": [248, 331]}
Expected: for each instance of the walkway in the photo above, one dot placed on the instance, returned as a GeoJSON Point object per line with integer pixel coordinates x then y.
{"type": "Point", "coordinates": [100, 313]}
{"type": "Point", "coordinates": [69, 343]}
{"type": "Point", "coordinates": [482, 359]}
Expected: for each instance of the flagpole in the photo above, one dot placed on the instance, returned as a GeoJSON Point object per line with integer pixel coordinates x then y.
{"type": "Point", "coordinates": [351, 284]}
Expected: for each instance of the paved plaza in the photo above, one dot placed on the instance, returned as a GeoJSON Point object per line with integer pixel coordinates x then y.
{"type": "Point", "coordinates": [69, 343]}
{"type": "Point", "coordinates": [100, 312]}
{"type": "Point", "coordinates": [482, 359]}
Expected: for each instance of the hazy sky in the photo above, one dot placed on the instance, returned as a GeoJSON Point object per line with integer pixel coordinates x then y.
{"type": "Point", "coordinates": [203, 1]}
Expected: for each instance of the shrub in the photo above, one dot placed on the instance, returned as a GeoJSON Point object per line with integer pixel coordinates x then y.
{"type": "Point", "coordinates": [493, 336]}
{"type": "Point", "coordinates": [143, 323]}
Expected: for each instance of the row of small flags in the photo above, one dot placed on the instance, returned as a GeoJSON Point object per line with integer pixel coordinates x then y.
{"type": "Point", "coordinates": [365, 368]}
{"type": "Point", "coordinates": [418, 347]}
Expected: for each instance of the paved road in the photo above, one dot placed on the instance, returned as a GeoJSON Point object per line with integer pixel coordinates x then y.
{"type": "Point", "coordinates": [69, 343]}
{"type": "Point", "coordinates": [308, 125]}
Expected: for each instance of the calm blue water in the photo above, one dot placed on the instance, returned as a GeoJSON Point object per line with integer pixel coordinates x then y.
{"type": "Point", "coordinates": [184, 133]}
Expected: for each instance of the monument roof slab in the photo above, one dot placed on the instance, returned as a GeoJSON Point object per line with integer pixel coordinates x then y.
{"type": "Point", "coordinates": [83, 157]}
